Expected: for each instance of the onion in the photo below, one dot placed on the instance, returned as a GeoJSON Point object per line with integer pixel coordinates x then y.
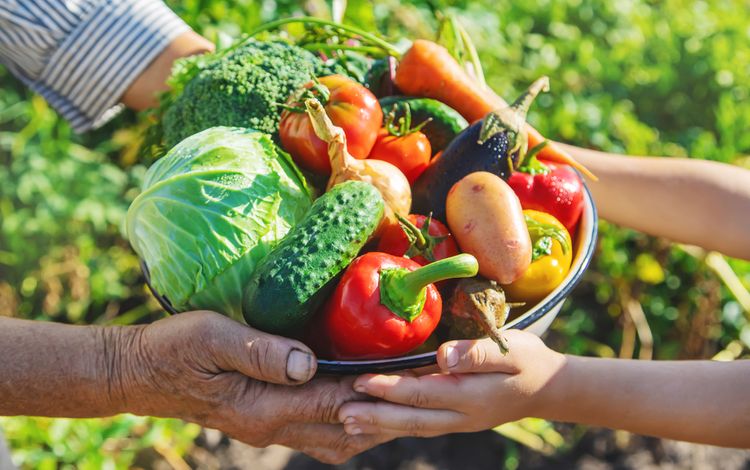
{"type": "Point", "coordinates": [387, 178]}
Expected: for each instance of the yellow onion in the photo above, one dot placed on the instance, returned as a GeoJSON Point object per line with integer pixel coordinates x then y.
{"type": "Point", "coordinates": [386, 178]}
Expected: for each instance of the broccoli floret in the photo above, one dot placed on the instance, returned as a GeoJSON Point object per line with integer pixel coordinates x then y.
{"type": "Point", "coordinates": [241, 88]}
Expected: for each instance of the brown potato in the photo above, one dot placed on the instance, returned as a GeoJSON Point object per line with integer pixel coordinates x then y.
{"type": "Point", "coordinates": [485, 217]}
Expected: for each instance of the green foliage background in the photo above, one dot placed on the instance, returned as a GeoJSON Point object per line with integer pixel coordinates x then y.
{"type": "Point", "coordinates": [639, 77]}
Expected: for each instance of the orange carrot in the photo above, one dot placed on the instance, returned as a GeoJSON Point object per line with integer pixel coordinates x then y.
{"type": "Point", "coordinates": [429, 70]}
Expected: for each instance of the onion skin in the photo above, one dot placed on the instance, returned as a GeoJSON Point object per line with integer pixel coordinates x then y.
{"type": "Point", "coordinates": [387, 178]}
{"type": "Point", "coordinates": [487, 221]}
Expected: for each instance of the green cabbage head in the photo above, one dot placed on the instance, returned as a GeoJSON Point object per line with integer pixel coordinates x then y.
{"type": "Point", "coordinates": [211, 209]}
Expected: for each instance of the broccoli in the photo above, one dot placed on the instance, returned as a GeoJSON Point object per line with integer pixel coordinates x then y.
{"type": "Point", "coordinates": [239, 87]}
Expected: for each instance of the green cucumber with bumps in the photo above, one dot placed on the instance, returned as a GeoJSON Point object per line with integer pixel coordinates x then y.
{"type": "Point", "coordinates": [292, 281]}
{"type": "Point", "coordinates": [446, 122]}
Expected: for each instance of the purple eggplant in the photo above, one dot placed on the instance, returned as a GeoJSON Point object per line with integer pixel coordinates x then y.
{"type": "Point", "coordinates": [496, 144]}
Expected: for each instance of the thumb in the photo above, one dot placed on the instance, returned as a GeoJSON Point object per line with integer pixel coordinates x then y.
{"type": "Point", "coordinates": [263, 356]}
{"type": "Point", "coordinates": [468, 356]}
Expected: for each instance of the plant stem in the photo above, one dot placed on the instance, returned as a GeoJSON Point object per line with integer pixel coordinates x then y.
{"type": "Point", "coordinates": [332, 135]}
{"type": "Point", "coordinates": [524, 101]}
{"type": "Point", "coordinates": [463, 265]}
{"type": "Point", "coordinates": [403, 291]}
{"type": "Point", "coordinates": [322, 46]}
{"type": "Point", "coordinates": [371, 38]}
{"type": "Point", "coordinates": [412, 230]}
{"type": "Point", "coordinates": [473, 55]}
{"type": "Point", "coordinates": [512, 120]}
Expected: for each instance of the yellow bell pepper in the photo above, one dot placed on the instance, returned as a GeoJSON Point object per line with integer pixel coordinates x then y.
{"type": "Point", "coordinates": [551, 259]}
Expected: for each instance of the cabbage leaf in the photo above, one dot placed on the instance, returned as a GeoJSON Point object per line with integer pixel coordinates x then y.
{"type": "Point", "coordinates": [210, 210]}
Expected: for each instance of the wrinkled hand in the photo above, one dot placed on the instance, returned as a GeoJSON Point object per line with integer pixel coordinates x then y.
{"type": "Point", "coordinates": [479, 388]}
{"type": "Point", "coordinates": [208, 369]}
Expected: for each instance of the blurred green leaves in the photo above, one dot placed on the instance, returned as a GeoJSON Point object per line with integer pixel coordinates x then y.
{"type": "Point", "coordinates": [94, 444]}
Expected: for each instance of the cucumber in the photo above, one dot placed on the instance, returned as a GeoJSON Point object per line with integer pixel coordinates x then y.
{"type": "Point", "coordinates": [445, 125]}
{"type": "Point", "coordinates": [290, 283]}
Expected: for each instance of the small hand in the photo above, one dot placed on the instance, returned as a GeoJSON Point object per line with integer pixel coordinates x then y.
{"type": "Point", "coordinates": [208, 369]}
{"type": "Point", "coordinates": [479, 389]}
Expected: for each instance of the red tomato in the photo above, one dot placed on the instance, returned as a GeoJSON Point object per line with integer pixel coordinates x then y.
{"type": "Point", "coordinates": [439, 243]}
{"type": "Point", "coordinates": [410, 153]}
{"type": "Point", "coordinates": [351, 106]}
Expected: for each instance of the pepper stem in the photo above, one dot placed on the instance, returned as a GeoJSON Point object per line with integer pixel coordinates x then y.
{"type": "Point", "coordinates": [539, 231]}
{"type": "Point", "coordinates": [512, 120]}
{"type": "Point", "coordinates": [403, 292]}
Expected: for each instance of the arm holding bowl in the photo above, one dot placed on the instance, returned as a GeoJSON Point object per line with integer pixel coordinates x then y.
{"type": "Point", "coordinates": [689, 201]}
{"type": "Point", "coordinates": [479, 388]}
{"type": "Point", "coordinates": [201, 367]}
{"type": "Point", "coordinates": [686, 200]}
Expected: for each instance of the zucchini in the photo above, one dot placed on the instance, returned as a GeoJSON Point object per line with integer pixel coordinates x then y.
{"type": "Point", "coordinates": [290, 283]}
{"type": "Point", "coordinates": [445, 125]}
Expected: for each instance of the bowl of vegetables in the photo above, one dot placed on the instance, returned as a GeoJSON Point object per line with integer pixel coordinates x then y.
{"type": "Point", "coordinates": [366, 200]}
{"type": "Point", "coordinates": [536, 319]}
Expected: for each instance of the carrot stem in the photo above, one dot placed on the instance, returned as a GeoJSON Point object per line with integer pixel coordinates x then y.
{"type": "Point", "coordinates": [369, 37]}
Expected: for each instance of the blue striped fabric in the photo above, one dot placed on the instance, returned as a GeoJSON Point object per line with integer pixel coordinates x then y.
{"type": "Point", "coordinates": [82, 55]}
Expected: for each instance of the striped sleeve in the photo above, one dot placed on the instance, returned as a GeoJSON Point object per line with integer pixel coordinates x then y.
{"type": "Point", "coordinates": [98, 50]}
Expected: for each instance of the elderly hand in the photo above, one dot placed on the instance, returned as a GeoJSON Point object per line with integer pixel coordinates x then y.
{"type": "Point", "coordinates": [461, 399]}
{"type": "Point", "coordinates": [208, 369]}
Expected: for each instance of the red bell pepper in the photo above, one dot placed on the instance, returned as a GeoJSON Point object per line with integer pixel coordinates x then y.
{"type": "Point", "coordinates": [550, 187]}
{"type": "Point", "coordinates": [385, 305]}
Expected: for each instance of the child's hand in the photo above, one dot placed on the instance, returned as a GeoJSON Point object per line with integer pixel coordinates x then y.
{"type": "Point", "coordinates": [461, 399]}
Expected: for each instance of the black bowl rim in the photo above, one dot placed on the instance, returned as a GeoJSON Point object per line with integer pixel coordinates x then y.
{"type": "Point", "coordinates": [430, 358]}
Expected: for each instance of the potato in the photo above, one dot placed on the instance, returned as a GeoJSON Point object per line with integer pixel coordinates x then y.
{"type": "Point", "coordinates": [485, 217]}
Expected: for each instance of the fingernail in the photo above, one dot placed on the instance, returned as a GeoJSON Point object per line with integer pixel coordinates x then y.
{"type": "Point", "coordinates": [299, 365]}
{"type": "Point", "coordinates": [350, 420]}
{"type": "Point", "coordinates": [354, 430]}
{"type": "Point", "coordinates": [451, 357]}
{"type": "Point", "coordinates": [359, 388]}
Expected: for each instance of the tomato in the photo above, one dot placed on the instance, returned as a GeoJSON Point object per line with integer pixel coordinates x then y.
{"type": "Point", "coordinates": [350, 106]}
{"type": "Point", "coordinates": [405, 147]}
{"type": "Point", "coordinates": [410, 153]}
{"type": "Point", "coordinates": [425, 242]}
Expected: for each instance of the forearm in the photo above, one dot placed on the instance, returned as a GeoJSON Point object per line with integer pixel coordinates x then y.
{"type": "Point", "coordinates": [698, 401]}
{"type": "Point", "coordinates": [49, 369]}
{"type": "Point", "coordinates": [143, 92]}
{"type": "Point", "coordinates": [689, 201]}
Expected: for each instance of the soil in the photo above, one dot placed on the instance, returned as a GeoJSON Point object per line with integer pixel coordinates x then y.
{"type": "Point", "coordinates": [597, 449]}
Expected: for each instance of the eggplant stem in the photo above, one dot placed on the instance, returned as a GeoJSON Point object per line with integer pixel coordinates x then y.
{"type": "Point", "coordinates": [512, 120]}
{"type": "Point", "coordinates": [524, 101]}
